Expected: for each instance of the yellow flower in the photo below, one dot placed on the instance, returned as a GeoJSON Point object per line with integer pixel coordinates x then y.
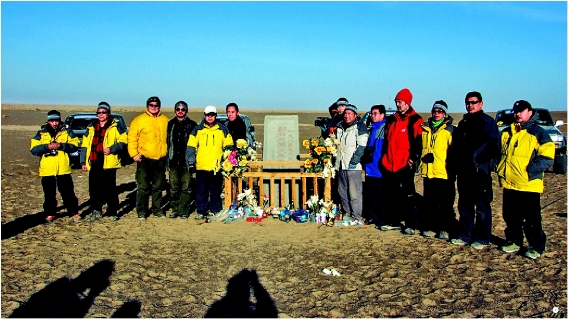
{"type": "Point", "coordinates": [308, 163]}
{"type": "Point", "coordinates": [243, 162]}
{"type": "Point", "coordinates": [241, 143]}
{"type": "Point", "coordinates": [319, 150]}
{"type": "Point", "coordinates": [315, 142]}
{"type": "Point", "coordinates": [329, 149]}
{"type": "Point", "coordinates": [315, 161]}
{"type": "Point", "coordinates": [306, 143]}
{"type": "Point", "coordinates": [326, 160]}
{"type": "Point", "coordinates": [227, 166]}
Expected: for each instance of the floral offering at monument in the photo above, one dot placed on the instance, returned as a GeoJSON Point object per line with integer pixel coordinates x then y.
{"type": "Point", "coordinates": [322, 154]}
{"type": "Point", "coordinates": [236, 162]}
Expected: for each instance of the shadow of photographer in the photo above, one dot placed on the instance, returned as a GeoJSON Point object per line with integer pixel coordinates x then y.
{"type": "Point", "coordinates": [237, 302]}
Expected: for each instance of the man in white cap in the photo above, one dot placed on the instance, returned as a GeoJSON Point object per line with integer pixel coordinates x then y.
{"type": "Point", "coordinates": [204, 152]}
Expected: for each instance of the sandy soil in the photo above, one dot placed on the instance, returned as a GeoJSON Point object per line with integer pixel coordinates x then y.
{"type": "Point", "coordinates": [184, 268]}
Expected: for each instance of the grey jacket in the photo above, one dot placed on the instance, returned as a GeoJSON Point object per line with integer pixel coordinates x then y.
{"type": "Point", "coordinates": [353, 139]}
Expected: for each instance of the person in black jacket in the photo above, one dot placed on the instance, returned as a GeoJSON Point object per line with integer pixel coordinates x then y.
{"type": "Point", "coordinates": [476, 147]}
{"type": "Point", "coordinates": [236, 125]}
{"type": "Point", "coordinates": [179, 129]}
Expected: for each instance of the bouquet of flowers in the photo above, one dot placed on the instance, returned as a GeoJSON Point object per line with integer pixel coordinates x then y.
{"type": "Point", "coordinates": [236, 161]}
{"type": "Point", "coordinates": [322, 154]}
{"type": "Point", "coordinates": [247, 200]}
{"type": "Point", "coordinates": [323, 210]}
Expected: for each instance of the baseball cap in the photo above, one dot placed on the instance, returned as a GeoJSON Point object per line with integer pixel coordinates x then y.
{"type": "Point", "coordinates": [210, 109]}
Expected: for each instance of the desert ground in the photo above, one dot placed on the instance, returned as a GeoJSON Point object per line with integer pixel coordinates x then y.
{"type": "Point", "coordinates": [187, 268]}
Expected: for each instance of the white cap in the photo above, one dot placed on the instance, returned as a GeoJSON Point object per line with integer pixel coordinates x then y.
{"type": "Point", "coordinates": [210, 109]}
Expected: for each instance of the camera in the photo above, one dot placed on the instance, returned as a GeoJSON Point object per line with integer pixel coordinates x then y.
{"type": "Point", "coordinates": [51, 153]}
{"type": "Point", "coordinates": [321, 121]}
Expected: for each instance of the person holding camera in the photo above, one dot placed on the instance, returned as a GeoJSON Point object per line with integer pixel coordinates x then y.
{"type": "Point", "coordinates": [52, 144]}
{"type": "Point", "coordinates": [179, 129]}
{"type": "Point", "coordinates": [439, 188]}
{"type": "Point", "coordinates": [373, 178]}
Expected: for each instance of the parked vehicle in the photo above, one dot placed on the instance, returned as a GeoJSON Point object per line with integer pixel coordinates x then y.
{"type": "Point", "coordinates": [77, 123]}
{"type": "Point", "coordinates": [505, 118]}
{"type": "Point", "coordinates": [251, 138]}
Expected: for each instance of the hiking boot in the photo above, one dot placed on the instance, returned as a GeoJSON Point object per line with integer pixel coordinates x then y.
{"type": "Point", "coordinates": [173, 215]}
{"type": "Point", "coordinates": [428, 233]}
{"type": "Point", "coordinates": [141, 217]}
{"type": "Point", "coordinates": [532, 253]}
{"type": "Point", "coordinates": [459, 242]}
{"type": "Point", "coordinates": [409, 231]}
{"type": "Point", "coordinates": [76, 218]}
{"type": "Point", "coordinates": [199, 217]}
{"type": "Point", "coordinates": [389, 227]}
{"type": "Point", "coordinates": [183, 216]}
{"type": "Point", "coordinates": [49, 219]}
{"type": "Point", "coordinates": [444, 235]}
{"type": "Point", "coordinates": [97, 214]}
{"type": "Point", "coordinates": [479, 246]}
{"type": "Point", "coordinates": [160, 215]}
{"type": "Point", "coordinates": [510, 247]}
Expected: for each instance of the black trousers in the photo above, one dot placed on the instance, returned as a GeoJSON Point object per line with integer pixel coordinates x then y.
{"type": "Point", "coordinates": [474, 204]}
{"type": "Point", "coordinates": [373, 198]}
{"type": "Point", "coordinates": [67, 190]}
{"type": "Point", "coordinates": [438, 214]}
{"type": "Point", "coordinates": [522, 212]}
{"type": "Point", "coordinates": [102, 189]}
{"type": "Point", "coordinates": [400, 195]}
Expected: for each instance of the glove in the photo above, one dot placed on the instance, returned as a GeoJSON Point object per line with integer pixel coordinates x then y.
{"type": "Point", "coordinates": [352, 166]}
{"type": "Point", "coordinates": [428, 158]}
{"type": "Point", "coordinates": [191, 168]}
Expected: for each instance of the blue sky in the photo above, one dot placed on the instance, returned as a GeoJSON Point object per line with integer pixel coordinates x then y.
{"type": "Point", "coordinates": [284, 55]}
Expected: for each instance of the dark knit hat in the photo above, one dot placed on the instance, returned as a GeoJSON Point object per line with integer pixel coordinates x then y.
{"type": "Point", "coordinates": [182, 103]}
{"type": "Point", "coordinates": [154, 99]}
{"type": "Point", "coordinates": [53, 115]}
{"type": "Point", "coordinates": [440, 104]}
{"type": "Point", "coordinates": [521, 105]}
{"type": "Point", "coordinates": [342, 101]}
{"type": "Point", "coordinates": [104, 105]}
{"type": "Point", "coordinates": [404, 95]}
{"type": "Point", "coordinates": [351, 107]}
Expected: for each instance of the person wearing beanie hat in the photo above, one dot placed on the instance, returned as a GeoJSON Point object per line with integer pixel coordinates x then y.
{"type": "Point", "coordinates": [528, 151]}
{"type": "Point", "coordinates": [181, 179]}
{"type": "Point", "coordinates": [339, 105]}
{"type": "Point", "coordinates": [353, 136]}
{"type": "Point", "coordinates": [53, 143]}
{"type": "Point", "coordinates": [474, 152]}
{"type": "Point", "coordinates": [403, 147]}
{"type": "Point", "coordinates": [147, 145]}
{"type": "Point", "coordinates": [100, 154]}
{"type": "Point", "coordinates": [203, 157]}
{"type": "Point", "coordinates": [438, 217]}
{"type": "Point", "coordinates": [405, 96]}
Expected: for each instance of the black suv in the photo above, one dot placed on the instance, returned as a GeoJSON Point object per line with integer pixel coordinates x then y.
{"type": "Point", "coordinates": [77, 123]}
{"type": "Point", "coordinates": [504, 118]}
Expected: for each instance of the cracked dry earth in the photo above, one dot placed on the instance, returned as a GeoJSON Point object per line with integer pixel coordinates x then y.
{"type": "Point", "coordinates": [180, 268]}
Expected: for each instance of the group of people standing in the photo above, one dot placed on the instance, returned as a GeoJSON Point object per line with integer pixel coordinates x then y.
{"type": "Point", "coordinates": [392, 149]}
{"type": "Point", "coordinates": [155, 143]}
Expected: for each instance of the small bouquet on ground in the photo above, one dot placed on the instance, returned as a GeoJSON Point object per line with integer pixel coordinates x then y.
{"type": "Point", "coordinates": [322, 155]}
{"type": "Point", "coordinates": [236, 161]}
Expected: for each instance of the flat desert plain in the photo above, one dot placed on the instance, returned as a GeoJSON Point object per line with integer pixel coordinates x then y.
{"type": "Point", "coordinates": [185, 268]}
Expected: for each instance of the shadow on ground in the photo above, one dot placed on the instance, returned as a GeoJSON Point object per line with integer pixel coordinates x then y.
{"type": "Point", "coordinates": [237, 302]}
{"type": "Point", "coordinates": [72, 298]}
{"type": "Point", "coordinates": [21, 224]}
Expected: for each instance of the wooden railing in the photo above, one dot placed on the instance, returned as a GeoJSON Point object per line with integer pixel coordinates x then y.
{"type": "Point", "coordinates": [309, 184]}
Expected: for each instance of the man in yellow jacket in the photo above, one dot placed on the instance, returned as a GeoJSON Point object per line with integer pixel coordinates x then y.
{"type": "Point", "coordinates": [102, 144]}
{"type": "Point", "coordinates": [52, 144]}
{"type": "Point", "coordinates": [527, 151]}
{"type": "Point", "coordinates": [205, 148]}
{"type": "Point", "coordinates": [439, 186]}
{"type": "Point", "coordinates": [147, 145]}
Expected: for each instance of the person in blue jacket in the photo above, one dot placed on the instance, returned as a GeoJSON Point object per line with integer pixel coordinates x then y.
{"type": "Point", "coordinates": [373, 178]}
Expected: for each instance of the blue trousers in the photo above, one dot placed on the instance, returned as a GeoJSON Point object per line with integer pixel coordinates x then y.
{"type": "Point", "coordinates": [208, 197]}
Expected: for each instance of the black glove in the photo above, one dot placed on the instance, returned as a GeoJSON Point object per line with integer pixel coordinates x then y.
{"type": "Point", "coordinates": [428, 158]}
{"type": "Point", "coordinates": [191, 168]}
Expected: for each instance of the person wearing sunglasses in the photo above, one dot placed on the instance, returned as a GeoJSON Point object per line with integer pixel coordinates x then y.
{"type": "Point", "coordinates": [147, 145]}
{"type": "Point", "coordinates": [53, 143]}
{"type": "Point", "coordinates": [104, 140]}
{"type": "Point", "coordinates": [527, 152]}
{"type": "Point", "coordinates": [439, 192]}
{"type": "Point", "coordinates": [179, 129]}
{"type": "Point", "coordinates": [474, 152]}
{"type": "Point", "coordinates": [204, 151]}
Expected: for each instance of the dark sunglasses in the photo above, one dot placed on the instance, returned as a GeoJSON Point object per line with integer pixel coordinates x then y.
{"type": "Point", "coordinates": [471, 102]}
{"type": "Point", "coordinates": [102, 112]}
{"type": "Point", "coordinates": [180, 109]}
{"type": "Point", "coordinates": [211, 114]}
{"type": "Point", "coordinates": [154, 105]}
{"type": "Point", "coordinates": [437, 111]}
